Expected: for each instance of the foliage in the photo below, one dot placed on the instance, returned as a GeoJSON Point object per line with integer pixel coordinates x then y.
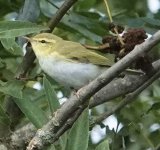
{"type": "Point", "coordinates": [86, 22]}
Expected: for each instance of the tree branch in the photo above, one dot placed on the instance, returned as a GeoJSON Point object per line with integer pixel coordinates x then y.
{"type": "Point", "coordinates": [68, 124]}
{"type": "Point", "coordinates": [128, 99]}
{"type": "Point", "coordinates": [45, 135]}
{"type": "Point", "coordinates": [116, 88]}
{"type": "Point", "coordinates": [121, 86]}
{"type": "Point", "coordinates": [139, 80]}
{"type": "Point", "coordinates": [60, 13]}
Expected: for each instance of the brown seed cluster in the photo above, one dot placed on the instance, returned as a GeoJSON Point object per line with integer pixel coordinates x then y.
{"type": "Point", "coordinates": [121, 47]}
{"type": "Point", "coordinates": [133, 37]}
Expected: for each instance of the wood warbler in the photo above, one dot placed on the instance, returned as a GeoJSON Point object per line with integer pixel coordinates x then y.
{"type": "Point", "coordinates": [69, 63]}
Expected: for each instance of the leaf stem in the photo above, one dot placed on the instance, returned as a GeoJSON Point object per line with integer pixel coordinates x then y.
{"type": "Point", "coordinates": [108, 11]}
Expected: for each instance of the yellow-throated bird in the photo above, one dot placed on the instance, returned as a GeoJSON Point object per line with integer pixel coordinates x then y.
{"type": "Point", "coordinates": [69, 63]}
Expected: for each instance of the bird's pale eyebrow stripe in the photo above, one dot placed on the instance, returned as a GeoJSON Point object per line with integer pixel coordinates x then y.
{"type": "Point", "coordinates": [45, 39]}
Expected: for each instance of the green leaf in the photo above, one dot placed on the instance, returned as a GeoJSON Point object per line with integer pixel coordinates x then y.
{"type": "Point", "coordinates": [51, 147]}
{"type": "Point", "coordinates": [32, 112]}
{"type": "Point", "coordinates": [4, 123]}
{"type": "Point", "coordinates": [10, 29]}
{"type": "Point", "coordinates": [51, 95]}
{"type": "Point", "coordinates": [79, 133]}
{"type": "Point", "coordinates": [12, 88]}
{"type": "Point", "coordinates": [49, 8]}
{"type": "Point", "coordinates": [151, 21]}
{"type": "Point", "coordinates": [63, 141]}
{"type": "Point", "coordinates": [4, 117]}
{"type": "Point", "coordinates": [154, 107]}
{"type": "Point", "coordinates": [81, 29]}
{"type": "Point", "coordinates": [1, 63]}
{"type": "Point", "coordinates": [85, 5]}
{"type": "Point", "coordinates": [93, 24]}
{"type": "Point", "coordinates": [11, 46]}
{"type": "Point", "coordinates": [103, 146]}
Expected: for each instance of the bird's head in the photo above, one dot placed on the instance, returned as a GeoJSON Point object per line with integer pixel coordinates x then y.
{"type": "Point", "coordinates": [44, 44]}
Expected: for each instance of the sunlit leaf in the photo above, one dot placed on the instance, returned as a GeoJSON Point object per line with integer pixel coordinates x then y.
{"type": "Point", "coordinates": [83, 30]}
{"type": "Point", "coordinates": [10, 29]}
{"type": "Point", "coordinates": [11, 46]}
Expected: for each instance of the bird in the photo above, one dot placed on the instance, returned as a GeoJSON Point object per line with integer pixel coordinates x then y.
{"type": "Point", "coordinates": [67, 62]}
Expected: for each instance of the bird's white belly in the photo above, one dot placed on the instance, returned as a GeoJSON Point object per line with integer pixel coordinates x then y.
{"type": "Point", "coordinates": [70, 74]}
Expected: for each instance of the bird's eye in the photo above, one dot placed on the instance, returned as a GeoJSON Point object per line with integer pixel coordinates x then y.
{"type": "Point", "coordinates": [43, 41]}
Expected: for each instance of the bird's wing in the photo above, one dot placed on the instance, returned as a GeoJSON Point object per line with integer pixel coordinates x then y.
{"type": "Point", "coordinates": [76, 52]}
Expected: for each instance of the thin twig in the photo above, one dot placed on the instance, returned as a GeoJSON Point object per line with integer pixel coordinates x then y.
{"type": "Point", "coordinates": [55, 5]}
{"type": "Point", "coordinates": [111, 20]}
{"type": "Point", "coordinates": [119, 37]}
{"type": "Point", "coordinates": [108, 11]}
{"type": "Point", "coordinates": [60, 13]}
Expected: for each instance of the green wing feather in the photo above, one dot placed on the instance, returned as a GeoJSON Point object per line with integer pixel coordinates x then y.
{"type": "Point", "coordinates": [76, 52]}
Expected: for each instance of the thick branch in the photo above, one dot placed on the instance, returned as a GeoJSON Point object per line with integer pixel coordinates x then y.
{"type": "Point", "coordinates": [45, 135]}
{"type": "Point", "coordinates": [135, 81]}
{"type": "Point", "coordinates": [116, 88]}
{"type": "Point", "coordinates": [113, 90]}
{"type": "Point", "coordinates": [121, 86]}
{"type": "Point", "coordinates": [68, 124]}
{"type": "Point", "coordinates": [128, 99]}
